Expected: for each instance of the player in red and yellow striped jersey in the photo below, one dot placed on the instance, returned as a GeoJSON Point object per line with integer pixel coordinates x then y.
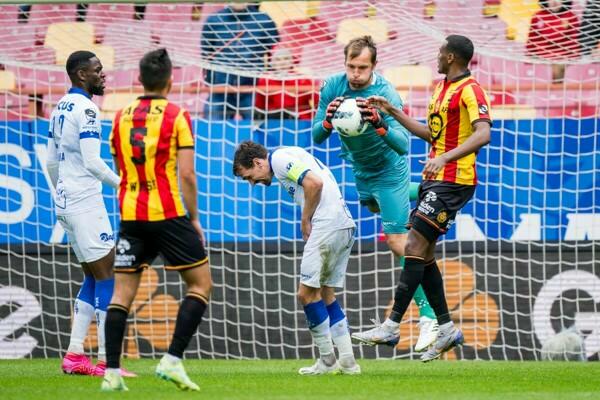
{"type": "Point", "coordinates": [458, 125]}
{"type": "Point", "coordinates": [153, 146]}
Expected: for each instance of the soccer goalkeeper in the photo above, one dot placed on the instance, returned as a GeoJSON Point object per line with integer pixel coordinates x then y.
{"type": "Point", "coordinates": [378, 158]}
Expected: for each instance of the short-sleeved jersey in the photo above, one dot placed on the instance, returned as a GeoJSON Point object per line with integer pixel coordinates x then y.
{"type": "Point", "coordinates": [454, 107]}
{"type": "Point", "coordinates": [144, 140]}
{"type": "Point", "coordinates": [369, 154]}
{"type": "Point", "coordinates": [75, 117]}
{"type": "Point", "coordinates": [290, 166]}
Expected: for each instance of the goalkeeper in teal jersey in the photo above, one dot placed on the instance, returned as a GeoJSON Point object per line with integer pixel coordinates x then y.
{"type": "Point", "coordinates": [378, 156]}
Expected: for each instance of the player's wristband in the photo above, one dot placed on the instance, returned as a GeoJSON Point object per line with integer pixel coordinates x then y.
{"type": "Point", "coordinates": [327, 125]}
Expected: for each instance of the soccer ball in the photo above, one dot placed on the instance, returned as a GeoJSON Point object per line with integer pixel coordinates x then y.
{"type": "Point", "coordinates": [347, 119]}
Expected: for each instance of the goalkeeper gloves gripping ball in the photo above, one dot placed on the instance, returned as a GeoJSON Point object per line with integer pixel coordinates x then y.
{"type": "Point", "coordinates": [372, 116]}
{"type": "Point", "coordinates": [330, 111]}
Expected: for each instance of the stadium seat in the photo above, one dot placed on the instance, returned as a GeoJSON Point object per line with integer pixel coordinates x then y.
{"type": "Point", "coordinates": [36, 54]}
{"type": "Point", "coordinates": [501, 98]}
{"type": "Point", "coordinates": [350, 28]}
{"type": "Point", "coordinates": [491, 8]}
{"type": "Point", "coordinates": [517, 16]}
{"type": "Point", "coordinates": [44, 15]}
{"type": "Point", "coordinates": [15, 37]}
{"type": "Point", "coordinates": [582, 73]}
{"type": "Point", "coordinates": [181, 41]}
{"type": "Point", "coordinates": [113, 102]}
{"type": "Point", "coordinates": [13, 106]}
{"type": "Point", "coordinates": [283, 11]}
{"type": "Point", "coordinates": [168, 12]}
{"type": "Point", "coordinates": [513, 111]}
{"type": "Point", "coordinates": [130, 39]}
{"type": "Point", "coordinates": [67, 37]}
{"type": "Point", "coordinates": [9, 15]}
{"type": "Point", "coordinates": [418, 76]}
{"type": "Point", "coordinates": [122, 79]}
{"type": "Point", "coordinates": [7, 80]}
{"type": "Point", "coordinates": [102, 15]}
{"type": "Point", "coordinates": [574, 111]}
{"type": "Point", "coordinates": [300, 32]}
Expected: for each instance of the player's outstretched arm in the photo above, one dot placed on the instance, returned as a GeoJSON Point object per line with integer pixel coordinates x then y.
{"type": "Point", "coordinates": [189, 190]}
{"type": "Point", "coordinates": [313, 186]}
{"type": "Point", "coordinates": [415, 127]}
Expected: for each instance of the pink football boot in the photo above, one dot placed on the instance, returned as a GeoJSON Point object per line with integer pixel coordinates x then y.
{"type": "Point", "coordinates": [77, 364]}
{"type": "Point", "coordinates": [101, 367]}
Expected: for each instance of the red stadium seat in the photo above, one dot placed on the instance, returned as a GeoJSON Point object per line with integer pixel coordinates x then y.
{"type": "Point", "coordinates": [574, 111]}
{"type": "Point", "coordinates": [183, 41]}
{"type": "Point", "coordinates": [300, 32]}
{"type": "Point", "coordinates": [582, 73]}
{"type": "Point", "coordinates": [14, 38]}
{"type": "Point", "coordinates": [168, 12]}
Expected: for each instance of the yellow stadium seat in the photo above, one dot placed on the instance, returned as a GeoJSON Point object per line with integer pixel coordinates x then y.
{"type": "Point", "coordinates": [7, 80]}
{"type": "Point", "coordinates": [113, 102]}
{"type": "Point", "coordinates": [513, 111]}
{"type": "Point", "coordinates": [354, 27]}
{"type": "Point", "coordinates": [67, 37]}
{"type": "Point", "coordinates": [517, 15]}
{"type": "Point", "coordinates": [409, 75]}
{"type": "Point", "coordinates": [281, 11]}
{"type": "Point", "coordinates": [106, 55]}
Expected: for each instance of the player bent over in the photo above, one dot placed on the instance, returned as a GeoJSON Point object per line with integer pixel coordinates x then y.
{"type": "Point", "coordinates": [328, 229]}
{"type": "Point", "coordinates": [458, 126]}
{"type": "Point", "coordinates": [77, 173]}
{"type": "Point", "coordinates": [153, 144]}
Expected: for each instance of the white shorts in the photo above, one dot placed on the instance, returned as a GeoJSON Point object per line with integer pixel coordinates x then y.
{"type": "Point", "coordinates": [326, 257]}
{"type": "Point", "coordinates": [90, 234]}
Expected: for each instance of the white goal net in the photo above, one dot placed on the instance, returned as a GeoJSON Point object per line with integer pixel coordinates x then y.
{"type": "Point", "coordinates": [520, 264]}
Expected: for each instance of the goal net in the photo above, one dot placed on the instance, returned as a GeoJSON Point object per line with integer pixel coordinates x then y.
{"type": "Point", "coordinates": [520, 264]}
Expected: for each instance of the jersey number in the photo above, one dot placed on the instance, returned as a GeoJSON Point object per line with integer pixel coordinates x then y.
{"type": "Point", "coordinates": [138, 146]}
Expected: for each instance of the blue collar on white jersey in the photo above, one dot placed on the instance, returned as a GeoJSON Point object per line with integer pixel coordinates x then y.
{"type": "Point", "coordinates": [77, 90]}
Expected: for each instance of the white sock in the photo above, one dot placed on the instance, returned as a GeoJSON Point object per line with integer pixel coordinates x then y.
{"type": "Point", "coordinates": [171, 358]}
{"type": "Point", "coordinates": [390, 326]}
{"type": "Point", "coordinates": [447, 327]}
{"type": "Point", "coordinates": [322, 338]}
{"type": "Point", "coordinates": [100, 320]}
{"type": "Point", "coordinates": [84, 313]}
{"type": "Point", "coordinates": [341, 338]}
{"type": "Point", "coordinates": [113, 371]}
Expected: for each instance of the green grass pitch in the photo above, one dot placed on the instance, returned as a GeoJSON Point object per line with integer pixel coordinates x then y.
{"type": "Point", "coordinates": [385, 380]}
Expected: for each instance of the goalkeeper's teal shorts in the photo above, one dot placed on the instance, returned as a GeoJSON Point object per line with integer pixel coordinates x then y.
{"type": "Point", "coordinates": [392, 198]}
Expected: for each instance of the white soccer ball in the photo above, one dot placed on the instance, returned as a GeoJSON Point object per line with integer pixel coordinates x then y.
{"type": "Point", "coordinates": [347, 119]}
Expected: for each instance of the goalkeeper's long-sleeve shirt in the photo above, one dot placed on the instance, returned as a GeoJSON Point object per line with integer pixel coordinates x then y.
{"type": "Point", "coordinates": [371, 155]}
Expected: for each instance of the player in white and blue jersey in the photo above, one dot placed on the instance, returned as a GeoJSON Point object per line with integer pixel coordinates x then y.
{"type": "Point", "coordinates": [328, 229]}
{"type": "Point", "coordinates": [77, 173]}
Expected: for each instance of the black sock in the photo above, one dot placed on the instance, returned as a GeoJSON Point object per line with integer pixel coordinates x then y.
{"type": "Point", "coordinates": [114, 330]}
{"type": "Point", "coordinates": [410, 279]}
{"type": "Point", "coordinates": [433, 286]}
{"type": "Point", "coordinates": [188, 318]}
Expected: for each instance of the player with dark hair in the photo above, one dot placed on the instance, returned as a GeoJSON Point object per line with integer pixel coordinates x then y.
{"type": "Point", "coordinates": [458, 125]}
{"type": "Point", "coordinates": [328, 229]}
{"type": "Point", "coordinates": [77, 173]}
{"type": "Point", "coordinates": [378, 156]}
{"type": "Point", "coordinates": [153, 145]}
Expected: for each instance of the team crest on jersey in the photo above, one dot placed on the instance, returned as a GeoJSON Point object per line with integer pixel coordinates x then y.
{"type": "Point", "coordinates": [483, 109]}
{"type": "Point", "coordinates": [442, 217]}
{"type": "Point", "coordinates": [91, 115]}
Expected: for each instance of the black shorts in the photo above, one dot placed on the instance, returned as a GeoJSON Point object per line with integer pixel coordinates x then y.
{"type": "Point", "coordinates": [437, 206]}
{"type": "Point", "coordinates": [175, 240]}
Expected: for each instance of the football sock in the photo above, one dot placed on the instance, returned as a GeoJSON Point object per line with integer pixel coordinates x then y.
{"type": "Point", "coordinates": [318, 324]}
{"type": "Point", "coordinates": [340, 334]}
{"type": "Point", "coordinates": [410, 278]}
{"type": "Point", "coordinates": [114, 331]}
{"type": "Point", "coordinates": [83, 315]}
{"type": "Point", "coordinates": [189, 316]}
{"type": "Point", "coordinates": [103, 293]}
{"type": "Point", "coordinates": [433, 284]}
{"type": "Point", "coordinates": [425, 309]}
